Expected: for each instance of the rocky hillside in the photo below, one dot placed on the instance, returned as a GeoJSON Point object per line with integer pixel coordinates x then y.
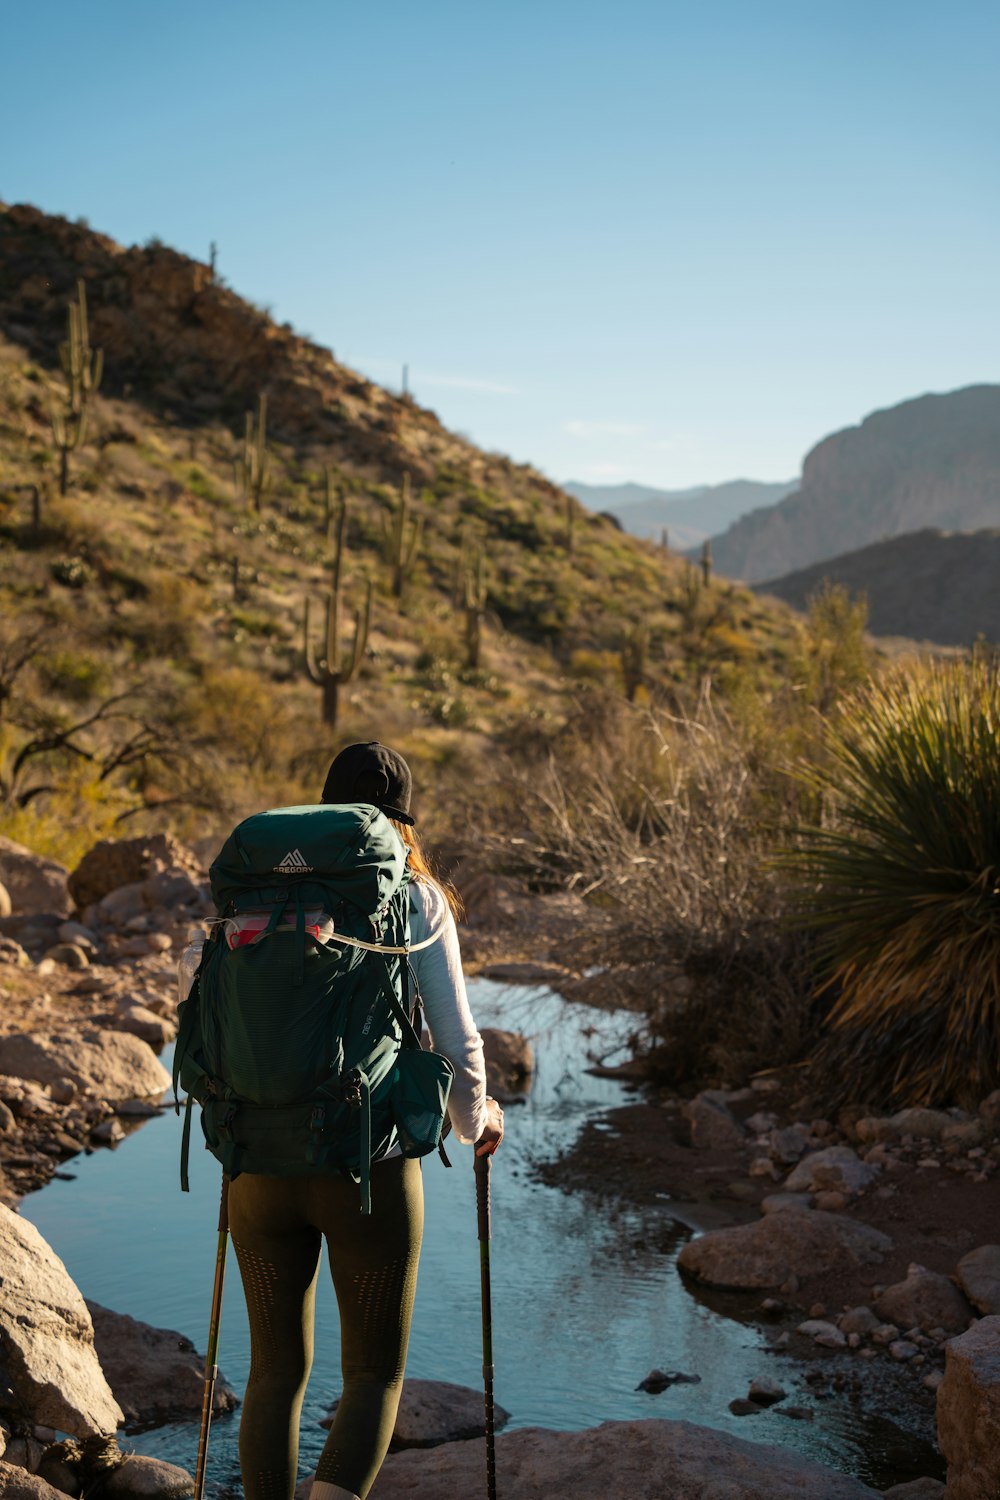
{"type": "Point", "coordinates": [153, 650]}
{"type": "Point", "coordinates": [932, 462]}
{"type": "Point", "coordinates": [689, 515]}
{"type": "Point", "coordinates": [928, 585]}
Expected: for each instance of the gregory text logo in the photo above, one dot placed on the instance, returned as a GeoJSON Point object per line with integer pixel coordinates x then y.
{"type": "Point", "coordinates": [293, 864]}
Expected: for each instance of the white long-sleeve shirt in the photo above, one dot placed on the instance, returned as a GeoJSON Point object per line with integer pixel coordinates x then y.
{"type": "Point", "coordinates": [452, 1030]}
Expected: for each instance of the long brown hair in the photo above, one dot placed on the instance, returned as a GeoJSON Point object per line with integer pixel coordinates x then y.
{"type": "Point", "coordinates": [420, 866]}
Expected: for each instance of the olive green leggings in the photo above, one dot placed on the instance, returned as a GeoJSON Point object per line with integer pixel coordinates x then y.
{"type": "Point", "coordinates": [277, 1226]}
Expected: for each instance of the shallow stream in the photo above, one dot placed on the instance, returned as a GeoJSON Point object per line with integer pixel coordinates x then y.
{"type": "Point", "coordinates": [579, 1317]}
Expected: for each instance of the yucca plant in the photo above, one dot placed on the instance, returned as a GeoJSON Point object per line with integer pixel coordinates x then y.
{"type": "Point", "coordinates": [902, 881]}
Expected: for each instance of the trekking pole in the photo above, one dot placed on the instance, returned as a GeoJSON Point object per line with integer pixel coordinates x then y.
{"type": "Point", "coordinates": [482, 1165]}
{"type": "Point", "coordinates": [212, 1352]}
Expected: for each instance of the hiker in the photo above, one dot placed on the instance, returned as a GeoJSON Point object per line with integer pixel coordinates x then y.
{"type": "Point", "coordinates": [278, 1223]}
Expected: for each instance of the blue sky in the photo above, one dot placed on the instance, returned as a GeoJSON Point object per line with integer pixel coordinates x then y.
{"type": "Point", "coordinates": [666, 242]}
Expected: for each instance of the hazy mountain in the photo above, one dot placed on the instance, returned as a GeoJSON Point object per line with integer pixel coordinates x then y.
{"type": "Point", "coordinates": [689, 515]}
{"type": "Point", "coordinates": [930, 462]}
{"type": "Point", "coordinates": [930, 585]}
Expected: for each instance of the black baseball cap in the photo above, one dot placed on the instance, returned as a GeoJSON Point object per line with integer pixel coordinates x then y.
{"type": "Point", "coordinates": [371, 773]}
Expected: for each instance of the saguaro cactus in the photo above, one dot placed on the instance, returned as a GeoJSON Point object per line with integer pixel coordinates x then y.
{"type": "Point", "coordinates": [253, 469]}
{"type": "Point", "coordinates": [571, 514]}
{"type": "Point", "coordinates": [82, 370]}
{"type": "Point", "coordinates": [401, 536]}
{"type": "Point", "coordinates": [329, 671]}
{"type": "Point", "coordinates": [633, 655]}
{"type": "Point", "coordinates": [474, 604]}
{"type": "Point", "coordinates": [706, 562]}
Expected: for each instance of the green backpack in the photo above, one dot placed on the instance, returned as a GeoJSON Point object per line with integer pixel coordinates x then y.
{"type": "Point", "coordinates": [296, 1038]}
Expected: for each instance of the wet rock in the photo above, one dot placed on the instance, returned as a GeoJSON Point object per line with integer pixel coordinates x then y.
{"type": "Point", "coordinates": [34, 884]}
{"type": "Point", "coordinates": [17, 1484]}
{"type": "Point", "coordinates": [618, 1461]}
{"type": "Point", "coordinates": [108, 1133]}
{"type": "Point", "coordinates": [433, 1412]}
{"type": "Point", "coordinates": [827, 1335]}
{"type": "Point", "coordinates": [781, 1247]}
{"type": "Point", "coordinates": [968, 1412]}
{"type": "Point", "coordinates": [157, 1375]}
{"type": "Point", "coordinates": [659, 1380]}
{"type": "Point", "coordinates": [979, 1277]}
{"type": "Point", "coordinates": [924, 1300]}
{"type": "Point", "coordinates": [925, 1124]}
{"type": "Point", "coordinates": [835, 1169]}
{"type": "Point", "coordinates": [765, 1391]}
{"type": "Point", "coordinates": [140, 1478]}
{"type": "Point", "coordinates": [858, 1320]}
{"type": "Point", "coordinates": [47, 1337]}
{"type": "Point", "coordinates": [510, 1061]}
{"type": "Point", "coordinates": [743, 1407]}
{"type": "Point", "coordinates": [713, 1125]}
{"type": "Point", "coordinates": [105, 1064]}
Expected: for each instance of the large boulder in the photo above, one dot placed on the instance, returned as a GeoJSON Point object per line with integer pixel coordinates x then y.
{"type": "Point", "coordinates": [644, 1460]}
{"type": "Point", "coordinates": [968, 1412]}
{"type": "Point", "coordinates": [769, 1251]}
{"type": "Point", "coordinates": [979, 1277]}
{"type": "Point", "coordinates": [924, 1300]}
{"type": "Point", "coordinates": [109, 1065]}
{"type": "Point", "coordinates": [141, 1478]}
{"type": "Point", "coordinates": [116, 862]}
{"type": "Point", "coordinates": [17, 1484]}
{"type": "Point", "coordinates": [834, 1169]}
{"type": "Point", "coordinates": [157, 1375]}
{"type": "Point", "coordinates": [35, 884]}
{"type": "Point", "coordinates": [47, 1339]}
{"type": "Point", "coordinates": [432, 1412]}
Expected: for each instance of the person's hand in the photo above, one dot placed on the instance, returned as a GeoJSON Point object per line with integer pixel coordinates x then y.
{"type": "Point", "coordinates": [493, 1133]}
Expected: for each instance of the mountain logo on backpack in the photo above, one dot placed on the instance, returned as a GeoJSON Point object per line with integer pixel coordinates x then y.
{"type": "Point", "coordinates": [293, 864]}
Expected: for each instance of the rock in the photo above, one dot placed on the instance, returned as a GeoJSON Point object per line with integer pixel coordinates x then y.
{"type": "Point", "coordinates": [763, 1166]}
{"type": "Point", "coordinates": [158, 942]}
{"type": "Point", "coordinates": [108, 1133]}
{"type": "Point", "coordinates": [34, 884]}
{"type": "Point", "coordinates": [618, 1461]}
{"type": "Point", "coordinates": [902, 1350]}
{"type": "Point", "coordinates": [6, 904]}
{"type": "Point", "coordinates": [766, 1391]}
{"type": "Point", "coordinates": [874, 1128]}
{"type": "Point", "coordinates": [433, 1412]}
{"type": "Point", "coordinates": [141, 1478]}
{"type": "Point", "coordinates": [827, 1335]}
{"type": "Point", "coordinates": [105, 1064]}
{"type": "Point", "coordinates": [965, 1134]}
{"type": "Point", "coordinates": [780, 1247]}
{"type": "Point", "coordinates": [779, 1203]}
{"type": "Point", "coordinates": [835, 1168]}
{"type": "Point", "coordinates": [968, 1412]}
{"type": "Point", "coordinates": [156, 1375]}
{"type": "Point", "coordinates": [924, 1300]}
{"type": "Point", "coordinates": [925, 1124]}
{"type": "Point", "coordinates": [510, 1061]}
{"type": "Point", "coordinates": [17, 1484]}
{"type": "Point", "coordinates": [743, 1407]}
{"type": "Point", "coordinates": [831, 1202]}
{"type": "Point", "coordinates": [761, 1122]}
{"type": "Point", "coordinates": [713, 1125]}
{"type": "Point", "coordinates": [70, 955]}
{"type": "Point", "coordinates": [57, 1472]}
{"type": "Point", "coordinates": [858, 1320]}
{"type": "Point", "coordinates": [659, 1380]}
{"type": "Point", "coordinates": [118, 907]}
{"type": "Point", "coordinates": [76, 932]}
{"type": "Point", "coordinates": [114, 863]}
{"type": "Point", "coordinates": [12, 953]}
{"type": "Point", "coordinates": [7, 1121]}
{"type": "Point", "coordinates": [979, 1277]}
{"type": "Point", "coordinates": [916, 1489]}
{"type": "Point", "coordinates": [140, 1022]}
{"type": "Point", "coordinates": [788, 1145]}
{"type": "Point", "coordinates": [25, 1453]}
{"type": "Point", "coordinates": [989, 1110]}
{"type": "Point", "coordinates": [885, 1334]}
{"type": "Point", "coordinates": [47, 1337]}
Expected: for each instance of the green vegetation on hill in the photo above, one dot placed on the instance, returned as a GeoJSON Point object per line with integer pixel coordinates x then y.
{"type": "Point", "coordinates": [154, 648]}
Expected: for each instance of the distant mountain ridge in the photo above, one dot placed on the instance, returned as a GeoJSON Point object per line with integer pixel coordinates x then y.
{"type": "Point", "coordinates": [929, 585]}
{"type": "Point", "coordinates": [690, 515]}
{"type": "Point", "coordinates": [930, 462]}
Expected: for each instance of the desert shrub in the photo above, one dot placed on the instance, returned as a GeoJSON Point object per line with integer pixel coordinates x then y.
{"type": "Point", "coordinates": [72, 572]}
{"type": "Point", "coordinates": [661, 824]}
{"type": "Point", "coordinates": [79, 810]}
{"type": "Point", "coordinates": [900, 880]}
{"type": "Point", "coordinates": [74, 674]}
